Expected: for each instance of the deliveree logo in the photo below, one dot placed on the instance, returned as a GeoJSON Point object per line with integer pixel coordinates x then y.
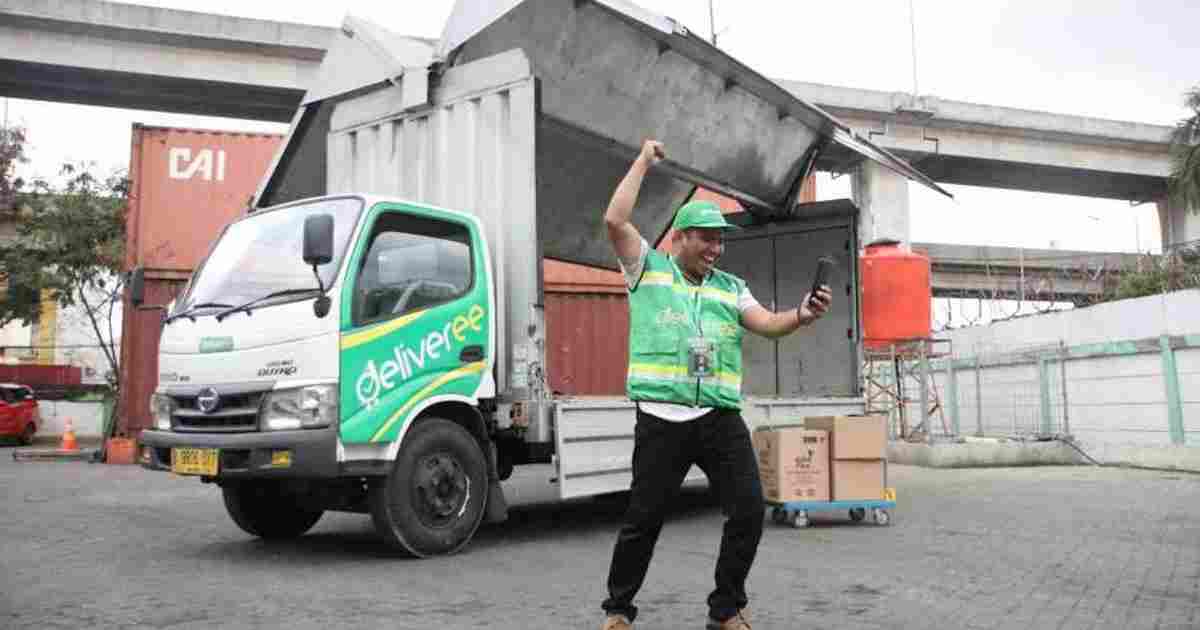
{"type": "Point", "coordinates": [378, 378]}
{"type": "Point", "coordinates": [209, 164]}
{"type": "Point", "coordinates": [669, 317]}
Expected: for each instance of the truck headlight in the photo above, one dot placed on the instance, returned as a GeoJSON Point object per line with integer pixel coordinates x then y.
{"type": "Point", "coordinates": [161, 408]}
{"type": "Point", "coordinates": [309, 407]}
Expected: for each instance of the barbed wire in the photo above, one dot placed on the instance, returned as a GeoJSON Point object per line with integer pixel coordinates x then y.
{"type": "Point", "coordinates": [1042, 290]}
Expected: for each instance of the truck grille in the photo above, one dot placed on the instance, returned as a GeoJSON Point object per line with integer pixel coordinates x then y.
{"type": "Point", "coordinates": [237, 413]}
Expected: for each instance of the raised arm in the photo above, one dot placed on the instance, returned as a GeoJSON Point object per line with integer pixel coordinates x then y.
{"type": "Point", "coordinates": [624, 236]}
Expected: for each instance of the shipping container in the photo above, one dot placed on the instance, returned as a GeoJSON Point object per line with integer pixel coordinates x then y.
{"type": "Point", "coordinates": [185, 186]}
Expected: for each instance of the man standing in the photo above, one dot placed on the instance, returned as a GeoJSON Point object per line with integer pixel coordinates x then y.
{"type": "Point", "coordinates": [685, 373]}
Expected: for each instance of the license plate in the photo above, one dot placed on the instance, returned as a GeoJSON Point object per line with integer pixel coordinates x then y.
{"type": "Point", "coordinates": [194, 461]}
{"type": "Point", "coordinates": [889, 494]}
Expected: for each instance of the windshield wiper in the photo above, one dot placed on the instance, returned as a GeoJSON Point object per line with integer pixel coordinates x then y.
{"type": "Point", "coordinates": [274, 294]}
{"type": "Point", "coordinates": [190, 313]}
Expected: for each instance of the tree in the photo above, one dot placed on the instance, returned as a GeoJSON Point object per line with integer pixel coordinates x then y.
{"type": "Point", "coordinates": [1184, 186]}
{"type": "Point", "coordinates": [69, 248]}
{"type": "Point", "coordinates": [12, 153]}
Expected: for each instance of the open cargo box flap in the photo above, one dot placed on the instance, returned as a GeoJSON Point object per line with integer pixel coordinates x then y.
{"type": "Point", "coordinates": [612, 74]}
{"type": "Point", "coordinates": [577, 52]}
{"type": "Point", "coordinates": [609, 75]}
{"type": "Point", "coordinates": [362, 53]}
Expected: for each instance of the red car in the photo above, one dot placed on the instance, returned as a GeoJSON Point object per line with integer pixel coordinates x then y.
{"type": "Point", "coordinates": [18, 412]}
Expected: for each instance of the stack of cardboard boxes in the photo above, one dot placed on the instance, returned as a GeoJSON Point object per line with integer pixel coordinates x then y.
{"type": "Point", "coordinates": [832, 458]}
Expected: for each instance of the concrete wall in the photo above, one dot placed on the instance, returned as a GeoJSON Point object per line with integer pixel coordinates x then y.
{"type": "Point", "coordinates": [86, 417]}
{"type": "Point", "coordinates": [1118, 400]}
{"type": "Point", "coordinates": [1116, 389]}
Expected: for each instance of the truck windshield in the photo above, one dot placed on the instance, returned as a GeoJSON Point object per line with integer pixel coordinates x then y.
{"type": "Point", "coordinates": [263, 254]}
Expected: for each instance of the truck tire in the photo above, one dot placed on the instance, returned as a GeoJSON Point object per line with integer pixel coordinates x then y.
{"type": "Point", "coordinates": [264, 509]}
{"type": "Point", "coordinates": [434, 497]}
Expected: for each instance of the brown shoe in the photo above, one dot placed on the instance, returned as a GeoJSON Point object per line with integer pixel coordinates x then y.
{"type": "Point", "coordinates": [617, 622]}
{"type": "Point", "coordinates": [736, 622]}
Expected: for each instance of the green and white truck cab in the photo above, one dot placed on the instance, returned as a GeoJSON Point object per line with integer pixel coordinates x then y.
{"type": "Point", "coordinates": [273, 369]}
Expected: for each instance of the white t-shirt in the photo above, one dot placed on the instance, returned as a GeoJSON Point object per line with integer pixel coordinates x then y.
{"type": "Point", "coordinates": [632, 269]}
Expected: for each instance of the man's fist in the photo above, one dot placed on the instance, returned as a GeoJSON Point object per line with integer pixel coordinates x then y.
{"type": "Point", "coordinates": [652, 152]}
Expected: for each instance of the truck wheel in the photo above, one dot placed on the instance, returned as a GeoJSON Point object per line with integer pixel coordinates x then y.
{"type": "Point", "coordinates": [434, 498]}
{"type": "Point", "coordinates": [264, 509]}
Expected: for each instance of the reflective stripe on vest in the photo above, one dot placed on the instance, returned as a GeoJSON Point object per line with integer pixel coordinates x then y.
{"type": "Point", "coordinates": [666, 312]}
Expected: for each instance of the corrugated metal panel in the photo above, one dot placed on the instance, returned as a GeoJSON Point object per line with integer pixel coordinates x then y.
{"type": "Point", "coordinates": [139, 356]}
{"type": "Point", "coordinates": [472, 152]}
{"type": "Point", "coordinates": [587, 343]}
{"type": "Point", "coordinates": [186, 185]}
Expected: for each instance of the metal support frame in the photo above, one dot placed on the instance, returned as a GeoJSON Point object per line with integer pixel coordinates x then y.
{"type": "Point", "coordinates": [888, 372]}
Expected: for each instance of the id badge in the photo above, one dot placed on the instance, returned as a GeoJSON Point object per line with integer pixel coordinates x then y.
{"type": "Point", "coordinates": [701, 357]}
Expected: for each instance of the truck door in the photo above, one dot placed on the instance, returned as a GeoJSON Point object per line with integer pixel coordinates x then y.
{"type": "Point", "coordinates": [415, 319]}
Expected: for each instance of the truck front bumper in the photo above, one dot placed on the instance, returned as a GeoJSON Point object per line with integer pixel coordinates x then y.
{"type": "Point", "coordinates": [311, 453]}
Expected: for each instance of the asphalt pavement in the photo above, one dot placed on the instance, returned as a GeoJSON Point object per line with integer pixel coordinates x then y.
{"type": "Point", "coordinates": [99, 546]}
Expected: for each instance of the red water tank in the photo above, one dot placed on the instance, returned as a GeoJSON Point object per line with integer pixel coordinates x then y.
{"type": "Point", "coordinates": [896, 294]}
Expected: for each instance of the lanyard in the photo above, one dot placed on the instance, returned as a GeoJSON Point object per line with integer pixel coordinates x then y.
{"type": "Point", "coordinates": [697, 308]}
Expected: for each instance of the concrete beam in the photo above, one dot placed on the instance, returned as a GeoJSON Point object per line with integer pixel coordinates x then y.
{"type": "Point", "coordinates": [1001, 147]}
{"type": "Point", "coordinates": [882, 199]}
{"type": "Point", "coordinates": [1180, 227]}
{"type": "Point", "coordinates": [105, 53]}
{"type": "Point", "coordinates": [971, 271]}
{"type": "Point", "coordinates": [952, 254]}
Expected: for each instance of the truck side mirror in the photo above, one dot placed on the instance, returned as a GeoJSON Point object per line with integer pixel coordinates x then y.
{"type": "Point", "coordinates": [318, 239]}
{"type": "Point", "coordinates": [137, 286]}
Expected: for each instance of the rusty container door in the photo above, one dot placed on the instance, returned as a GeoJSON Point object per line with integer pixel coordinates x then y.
{"type": "Point", "coordinates": [186, 185]}
{"type": "Point", "coordinates": [139, 356]}
{"type": "Point", "coordinates": [587, 343]}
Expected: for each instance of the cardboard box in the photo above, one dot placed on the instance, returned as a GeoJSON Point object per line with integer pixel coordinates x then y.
{"type": "Point", "coordinates": [856, 479]}
{"type": "Point", "coordinates": [793, 464]}
{"type": "Point", "coordinates": [853, 437]}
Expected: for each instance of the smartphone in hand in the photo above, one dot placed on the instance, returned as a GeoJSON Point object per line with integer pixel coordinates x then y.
{"type": "Point", "coordinates": [821, 278]}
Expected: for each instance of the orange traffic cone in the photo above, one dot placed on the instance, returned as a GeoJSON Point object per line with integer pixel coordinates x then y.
{"type": "Point", "coordinates": [68, 438]}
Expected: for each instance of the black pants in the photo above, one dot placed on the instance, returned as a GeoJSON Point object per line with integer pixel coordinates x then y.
{"type": "Point", "coordinates": [663, 451]}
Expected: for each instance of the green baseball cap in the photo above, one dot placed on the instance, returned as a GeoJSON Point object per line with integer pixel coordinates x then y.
{"type": "Point", "coordinates": [701, 214]}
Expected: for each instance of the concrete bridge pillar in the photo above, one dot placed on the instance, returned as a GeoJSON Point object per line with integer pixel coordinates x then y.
{"type": "Point", "coordinates": [1178, 225]}
{"type": "Point", "coordinates": [882, 199]}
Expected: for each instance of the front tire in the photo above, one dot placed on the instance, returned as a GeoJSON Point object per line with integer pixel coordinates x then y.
{"type": "Point", "coordinates": [266, 510]}
{"type": "Point", "coordinates": [435, 496]}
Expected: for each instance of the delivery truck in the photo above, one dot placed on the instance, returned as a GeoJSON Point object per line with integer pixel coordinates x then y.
{"type": "Point", "coordinates": [369, 337]}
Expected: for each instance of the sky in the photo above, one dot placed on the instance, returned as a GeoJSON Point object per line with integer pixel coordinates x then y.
{"type": "Point", "coordinates": [1116, 59]}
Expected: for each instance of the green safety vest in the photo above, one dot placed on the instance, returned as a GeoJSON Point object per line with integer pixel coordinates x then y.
{"type": "Point", "coordinates": [665, 313]}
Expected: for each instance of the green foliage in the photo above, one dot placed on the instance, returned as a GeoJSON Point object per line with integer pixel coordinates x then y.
{"type": "Point", "coordinates": [12, 153]}
{"type": "Point", "coordinates": [69, 243]}
{"type": "Point", "coordinates": [1170, 274]}
{"type": "Point", "coordinates": [1184, 181]}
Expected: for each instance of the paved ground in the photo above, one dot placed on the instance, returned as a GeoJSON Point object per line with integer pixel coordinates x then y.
{"type": "Point", "coordinates": [97, 546]}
